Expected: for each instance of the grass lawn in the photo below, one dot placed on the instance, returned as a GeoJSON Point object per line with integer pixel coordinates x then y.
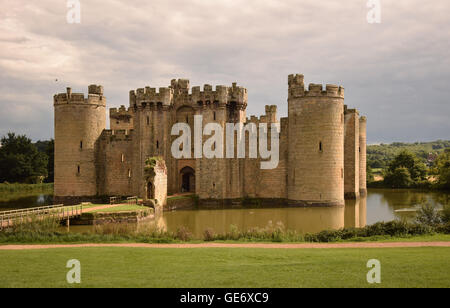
{"type": "Point", "coordinates": [13, 188]}
{"type": "Point", "coordinates": [190, 196]}
{"type": "Point", "coordinates": [122, 208]}
{"type": "Point", "coordinates": [225, 267]}
{"type": "Point", "coordinates": [417, 238]}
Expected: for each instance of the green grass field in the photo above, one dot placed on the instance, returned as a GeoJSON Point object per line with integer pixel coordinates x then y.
{"type": "Point", "coordinates": [122, 208]}
{"type": "Point", "coordinates": [225, 267]}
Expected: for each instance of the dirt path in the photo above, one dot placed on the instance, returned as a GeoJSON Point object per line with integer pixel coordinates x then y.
{"type": "Point", "coordinates": [244, 245]}
{"type": "Point", "coordinates": [100, 207]}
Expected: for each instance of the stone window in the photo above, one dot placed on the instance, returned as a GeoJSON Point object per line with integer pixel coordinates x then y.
{"type": "Point", "coordinates": [122, 158]}
{"type": "Point", "coordinates": [148, 120]}
{"type": "Point", "coordinates": [320, 147]}
{"type": "Point", "coordinates": [157, 144]}
{"type": "Point", "coordinates": [187, 119]}
{"type": "Point", "coordinates": [81, 145]}
{"type": "Point", "coordinates": [78, 169]}
{"type": "Point", "coordinates": [214, 115]}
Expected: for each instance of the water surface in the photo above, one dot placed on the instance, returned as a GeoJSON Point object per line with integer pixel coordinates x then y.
{"type": "Point", "coordinates": [379, 205]}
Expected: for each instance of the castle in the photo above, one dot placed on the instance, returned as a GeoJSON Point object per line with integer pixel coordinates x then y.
{"type": "Point", "coordinates": [322, 145]}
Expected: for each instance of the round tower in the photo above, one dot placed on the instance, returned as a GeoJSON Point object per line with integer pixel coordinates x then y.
{"type": "Point", "coordinates": [79, 122]}
{"type": "Point", "coordinates": [362, 156]}
{"type": "Point", "coordinates": [316, 144]}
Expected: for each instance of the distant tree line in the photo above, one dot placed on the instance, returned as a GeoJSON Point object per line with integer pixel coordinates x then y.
{"type": "Point", "coordinates": [401, 165]}
{"type": "Point", "coordinates": [380, 156]}
{"type": "Point", "coordinates": [22, 161]}
{"type": "Point", "coordinates": [406, 170]}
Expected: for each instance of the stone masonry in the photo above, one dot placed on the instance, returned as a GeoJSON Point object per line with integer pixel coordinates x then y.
{"type": "Point", "coordinates": [322, 145]}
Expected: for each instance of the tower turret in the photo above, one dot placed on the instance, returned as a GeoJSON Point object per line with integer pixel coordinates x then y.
{"type": "Point", "coordinates": [351, 153]}
{"type": "Point", "coordinates": [316, 143]}
{"type": "Point", "coordinates": [79, 121]}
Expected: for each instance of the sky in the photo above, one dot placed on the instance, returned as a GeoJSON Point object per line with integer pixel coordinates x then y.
{"type": "Point", "coordinates": [397, 72]}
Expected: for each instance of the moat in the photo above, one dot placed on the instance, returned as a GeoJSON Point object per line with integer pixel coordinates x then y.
{"type": "Point", "coordinates": [379, 205]}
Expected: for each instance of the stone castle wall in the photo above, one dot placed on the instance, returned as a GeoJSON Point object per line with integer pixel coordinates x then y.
{"type": "Point", "coordinates": [79, 122]}
{"type": "Point", "coordinates": [316, 143]}
{"type": "Point", "coordinates": [362, 156]}
{"type": "Point", "coordinates": [351, 153]}
{"type": "Point", "coordinates": [116, 158]}
{"type": "Point", "coordinates": [319, 146]}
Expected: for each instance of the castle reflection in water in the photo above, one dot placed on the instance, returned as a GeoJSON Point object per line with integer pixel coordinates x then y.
{"type": "Point", "coordinates": [302, 220]}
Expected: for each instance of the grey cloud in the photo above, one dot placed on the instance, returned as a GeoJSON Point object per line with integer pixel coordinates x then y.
{"type": "Point", "coordinates": [397, 73]}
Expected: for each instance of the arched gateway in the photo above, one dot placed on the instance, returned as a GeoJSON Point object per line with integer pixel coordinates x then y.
{"type": "Point", "coordinates": [187, 179]}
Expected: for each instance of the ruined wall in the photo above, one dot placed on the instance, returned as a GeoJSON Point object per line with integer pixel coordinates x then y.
{"type": "Point", "coordinates": [160, 183]}
{"type": "Point", "coordinates": [351, 154]}
{"type": "Point", "coordinates": [316, 144]}
{"type": "Point", "coordinates": [79, 121]}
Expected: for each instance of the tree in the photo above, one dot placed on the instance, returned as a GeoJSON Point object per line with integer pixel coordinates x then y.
{"type": "Point", "coordinates": [20, 160]}
{"type": "Point", "coordinates": [399, 178]}
{"type": "Point", "coordinates": [442, 170]}
{"type": "Point", "coordinates": [369, 174]}
{"type": "Point", "coordinates": [417, 170]}
{"type": "Point", "coordinates": [50, 151]}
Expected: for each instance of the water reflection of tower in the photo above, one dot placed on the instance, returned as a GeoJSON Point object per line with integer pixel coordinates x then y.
{"type": "Point", "coordinates": [160, 222]}
{"type": "Point", "coordinates": [363, 212]}
{"type": "Point", "coordinates": [355, 213]}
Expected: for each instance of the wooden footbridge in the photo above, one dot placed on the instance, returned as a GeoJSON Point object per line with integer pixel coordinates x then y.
{"type": "Point", "coordinates": [60, 212]}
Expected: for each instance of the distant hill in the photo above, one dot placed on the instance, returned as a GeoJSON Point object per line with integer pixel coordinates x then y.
{"type": "Point", "coordinates": [379, 156]}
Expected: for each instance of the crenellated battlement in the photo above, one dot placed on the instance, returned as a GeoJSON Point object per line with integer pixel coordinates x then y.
{"type": "Point", "coordinates": [151, 95]}
{"type": "Point", "coordinates": [95, 97]}
{"type": "Point", "coordinates": [269, 117]}
{"type": "Point", "coordinates": [180, 86]}
{"type": "Point", "coordinates": [363, 119]}
{"type": "Point", "coordinates": [223, 95]}
{"type": "Point", "coordinates": [179, 91]}
{"type": "Point", "coordinates": [297, 88]}
{"type": "Point", "coordinates": [112, 135]}
{"type": "Point", "coordinates": [296, 81]}
{"type": "Point", "coordinates": [120, 113]}
{"type": "Point", "coordinates": [348, 111]}
{"type": "Point", "coordinates": [271, 109]}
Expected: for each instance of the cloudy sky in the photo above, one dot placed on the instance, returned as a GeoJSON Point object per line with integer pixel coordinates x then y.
{"type": "Point", "coordinates": [397, 73]}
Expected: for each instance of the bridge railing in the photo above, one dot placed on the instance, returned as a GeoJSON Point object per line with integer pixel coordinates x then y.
{"type": "Point", "coordinates": [7, 218]}
{"type": "Point", "coordinates": [132, 200]}
{"type": "Point", "coordinates": [114, 200]}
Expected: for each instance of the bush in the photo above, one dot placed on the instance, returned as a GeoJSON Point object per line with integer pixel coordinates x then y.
{"type": "Point", "coordinates": [445, 215]}
{"type": "Point", "coordinates": [183, 234]}
{"type": "Point", "coordinates": [428, 216]}
{"type": "Point", "coordinates": [444, 228]}
{"type": "Point", "coordinates": [381, 229]}
{"type": "Point", "coordinates": [209, 235]}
